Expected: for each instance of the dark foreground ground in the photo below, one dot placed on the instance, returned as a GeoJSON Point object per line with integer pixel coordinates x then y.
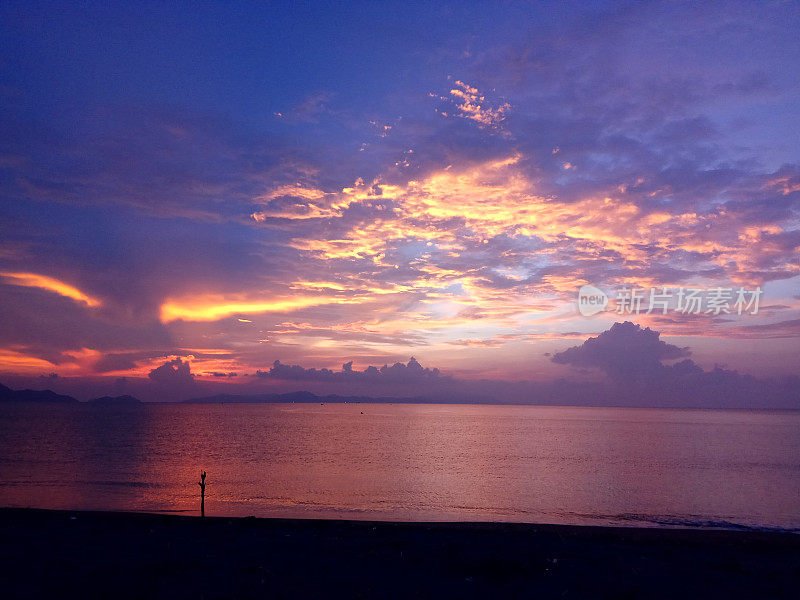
{"type": "Point", "coordinates": [59, 554]}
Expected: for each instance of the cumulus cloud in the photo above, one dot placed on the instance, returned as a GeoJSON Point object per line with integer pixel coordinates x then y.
{"type": "Point", "coordinates": [626, 351]}
{"type": "Point", "coordinates": [633, 356]}
{"type": "Point", "coordinates": [411, 372]}
{"type": "Point", "coordinates": [172, 372]}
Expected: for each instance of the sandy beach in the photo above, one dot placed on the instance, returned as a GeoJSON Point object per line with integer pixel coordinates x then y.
{"type": "Point", "coordinates": [127, 555]}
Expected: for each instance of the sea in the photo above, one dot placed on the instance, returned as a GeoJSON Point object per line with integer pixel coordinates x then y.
{"type": "Point", "coordinates": [409, 462]}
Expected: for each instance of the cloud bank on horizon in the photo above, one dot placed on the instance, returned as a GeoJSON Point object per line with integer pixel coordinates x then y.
{"type": "Point", "coordinates": [622, 366]}
{"type": "Point", "coordinates": [171, 201]}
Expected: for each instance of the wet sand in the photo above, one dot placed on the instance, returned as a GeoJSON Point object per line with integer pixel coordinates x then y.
{"type": "Point", "coordinates": [56, 554]}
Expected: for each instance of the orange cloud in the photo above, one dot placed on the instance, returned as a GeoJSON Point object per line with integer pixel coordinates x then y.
{"type": "Point", "coordinates": [453, 209]}
{"type": "Point", "coordinates": [19, 362]}
{"type": "Point", "coordinates": [74, 362]}
{"type": "Point", "coordinates": [311, 203]}
{"type": "Point", "coordinates": [211, 307]}
{"type": "Point", "coordinates": [471, 104]}
{"type": "Point", "coordinates": [536, 249]}
{"type": "Point", "coordinates": [50, 284]}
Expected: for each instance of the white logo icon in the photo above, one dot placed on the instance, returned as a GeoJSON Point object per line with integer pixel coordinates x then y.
{"type": "Point", "coordinates": [591, 300]}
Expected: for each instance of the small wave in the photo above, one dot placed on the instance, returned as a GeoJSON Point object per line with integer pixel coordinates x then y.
{"type": "Point", "coordinates": [695, 522]}
{"type": "Point", "coordinates": [68, 484]}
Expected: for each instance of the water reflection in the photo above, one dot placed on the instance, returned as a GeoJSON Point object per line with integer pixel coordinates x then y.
{"type": "Point", "coordinates": [540, 464]}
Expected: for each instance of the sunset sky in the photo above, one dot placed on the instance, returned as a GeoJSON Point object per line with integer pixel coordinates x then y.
{"type": "Point", "coordinates": [192, 191]}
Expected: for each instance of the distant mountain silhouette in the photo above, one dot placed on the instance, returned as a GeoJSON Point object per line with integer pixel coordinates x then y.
{"type": "Point", "coordinates": [115, 400]}
{"type": "Point", "coordinates": [299, 397]}
{"type": "Point", "coordinates": [9, 395]}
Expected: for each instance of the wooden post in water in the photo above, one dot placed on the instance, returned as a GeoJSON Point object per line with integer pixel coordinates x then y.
{"type": "Point", "coordinates": [202, 484]}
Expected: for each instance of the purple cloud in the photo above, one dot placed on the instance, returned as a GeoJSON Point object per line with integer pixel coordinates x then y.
{"type": "Point", "coordinates": [410, 373]}
{"type": "Point", "coordinates": [633, 356]}
{"type": "Point", "coordinates": [172, 372]}
{"type": "Point", "coordinates": [625, 352]}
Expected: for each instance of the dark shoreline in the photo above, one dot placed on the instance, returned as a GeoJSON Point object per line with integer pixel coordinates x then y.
{"type": "Point", "coordinates": [134, 555]}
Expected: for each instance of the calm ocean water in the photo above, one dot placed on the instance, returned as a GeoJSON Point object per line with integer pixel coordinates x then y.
{"type": "Point", "coordinates": [410, 462]}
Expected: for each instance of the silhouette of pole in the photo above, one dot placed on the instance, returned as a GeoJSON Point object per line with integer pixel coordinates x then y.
{"type": "Point", "coordinates": [202, 484]}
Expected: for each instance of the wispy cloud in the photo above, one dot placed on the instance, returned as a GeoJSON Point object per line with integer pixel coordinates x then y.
{"type": "Point", "coordinates": [214, 308]}
{"type": "Point", "coordinates": [51, 285]}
